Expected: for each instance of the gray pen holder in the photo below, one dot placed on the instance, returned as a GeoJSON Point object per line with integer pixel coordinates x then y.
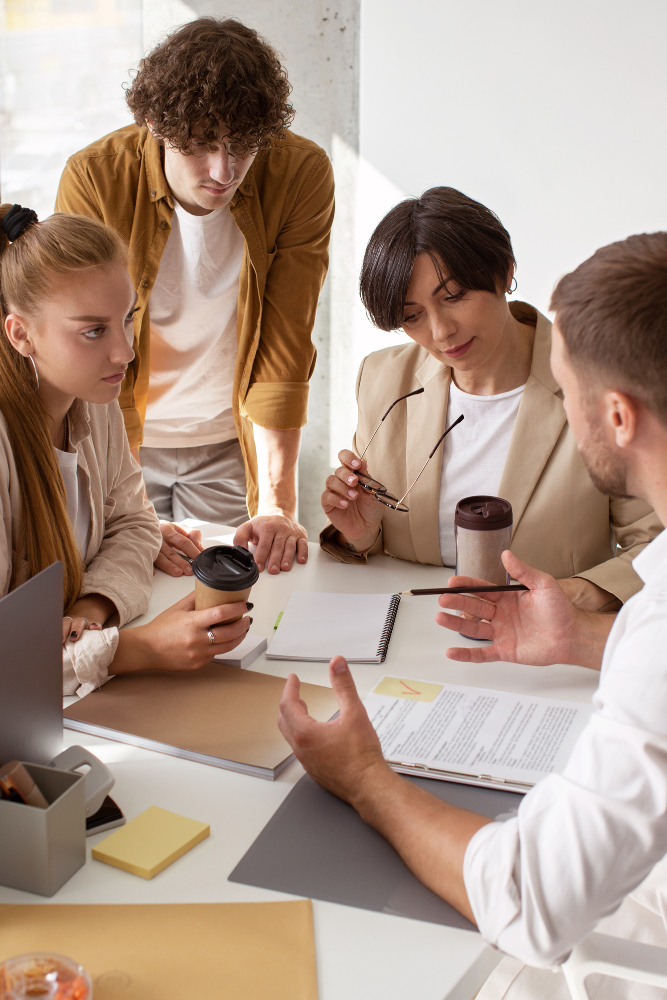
{"type": "Point", "coordinates": [41, 848]}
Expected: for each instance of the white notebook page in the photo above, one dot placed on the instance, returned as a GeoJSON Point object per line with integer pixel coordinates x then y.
{"type": "Point", "coordinates": [317, 626]}
{"type": "Point", "coordinates": [471, 731]}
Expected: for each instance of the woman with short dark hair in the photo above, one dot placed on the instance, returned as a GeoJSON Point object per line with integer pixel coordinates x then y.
{"type": "Point", "coordinates": [441, 267]}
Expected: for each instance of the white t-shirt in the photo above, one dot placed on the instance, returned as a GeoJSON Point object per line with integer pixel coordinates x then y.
{"type": "Point", "coordinates": [474, 454]}
{"type": "Point", "coordinates": [193, 309]}
{"type": "Point", "coordinates": [78, 501]}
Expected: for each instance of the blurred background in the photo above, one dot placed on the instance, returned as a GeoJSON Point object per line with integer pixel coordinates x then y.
{"type": "Point", "coordinates": [550, 113]}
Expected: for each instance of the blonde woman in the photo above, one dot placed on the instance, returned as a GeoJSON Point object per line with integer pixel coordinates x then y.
{"type": "Point", "coordinates": [69, 487]}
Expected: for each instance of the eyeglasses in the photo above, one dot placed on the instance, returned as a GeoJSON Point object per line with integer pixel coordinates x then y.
{"type": "Point", "coordinates": [376, 488]}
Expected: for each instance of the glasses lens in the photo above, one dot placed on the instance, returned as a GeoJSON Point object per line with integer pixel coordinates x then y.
{"type": "Point", "coordinates": [372, 485]}
{"type": "Point", "coordinates": [390, 501]}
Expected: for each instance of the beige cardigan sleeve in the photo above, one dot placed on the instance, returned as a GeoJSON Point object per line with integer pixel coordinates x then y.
{"type": "Point", "coordinates": [122, 569]}
{"type": "Point", "coordinates": [634, 525]}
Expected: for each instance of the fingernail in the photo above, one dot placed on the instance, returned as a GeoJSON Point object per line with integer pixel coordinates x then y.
{"type": "Point", "coordinates": [285, 565]}
{"type": "Point", "coordinates": [251, 620]}
{"type": "Point", "coordinates": [340, 668]}
{"type": "Point", "coordinates": [274, 569]}
{"type": "Point", "coordinates": [343, 503]}
{"type": "Point", "coordinates": [249, 605]}
{"type": "Point", "coordinates": [351, 493]}
{"type": "Point", "coordinates": [176, 572]}
{"type": "Point", "coordinates": [351, 479]}
{"type": "Point", "coordinates": [355, 463]}
{"type": "Point", "coordinates": [73, 635]}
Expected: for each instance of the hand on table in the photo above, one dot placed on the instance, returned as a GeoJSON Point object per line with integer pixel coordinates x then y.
{"type": "Point", "coordinates": [178, 639]}
{"type": "Point", "coordinates": [176, 538]}
{"type": "Point", "coordinates": [341, 754]}
{"type": "Point", "coordinates": [277, 538]}
{"type": "Point", "coordinates": [89, 612]}
{"type": "Point", "coordinates": [351, 509]}
{"type": "Point", "coordinates": [537, 627]}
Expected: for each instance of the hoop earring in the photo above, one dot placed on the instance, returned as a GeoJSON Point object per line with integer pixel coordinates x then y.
{"type": "Point", "coordinates": [36, 372]}
{"type": "Point", "coordinates": [510, 289]}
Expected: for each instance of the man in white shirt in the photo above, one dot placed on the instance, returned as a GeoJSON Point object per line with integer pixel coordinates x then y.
{"type": "Point", "coordinates": [537, 884]}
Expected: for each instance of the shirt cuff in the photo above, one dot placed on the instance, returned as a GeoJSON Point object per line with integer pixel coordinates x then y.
{"type": "Point", "coordinates": [279, 406]}
{"type": "Point", "coordinates": [330, 542]}
{"type": "Point", "coordinates": [616, 576]}
{"type": "Point", "coordinates": [488, 876]}
{"type": "Point", "coordinates": [86, 662]}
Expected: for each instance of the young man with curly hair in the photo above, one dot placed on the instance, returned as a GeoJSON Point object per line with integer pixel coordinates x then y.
{"type": "Point", "coordinates": [227, 214]}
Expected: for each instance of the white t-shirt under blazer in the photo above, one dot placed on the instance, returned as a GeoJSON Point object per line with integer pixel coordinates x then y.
{"type": "Point", "coordinates": [193, 308]}
{"type": "Point", "coordinates": [474, 454]}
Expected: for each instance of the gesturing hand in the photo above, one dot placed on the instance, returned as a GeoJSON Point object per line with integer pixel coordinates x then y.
{"type": "Point", "coordinates": [176, 539]}
{"type": "Point", "coordinates": [538, 627]}
{"type": "Point", "coordinates": [278, 537]}
{"type": "Point", "coordinates": [355, 512]}
{"type": "Point", "coordinates": [339, 755]}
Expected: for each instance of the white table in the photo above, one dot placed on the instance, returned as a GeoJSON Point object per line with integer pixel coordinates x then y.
{"type": "Point", "coordinates": [360, 954]}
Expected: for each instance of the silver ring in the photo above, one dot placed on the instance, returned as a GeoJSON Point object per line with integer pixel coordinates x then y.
{"type": "Point", "coordinates": [70, 618]}
{"type": "Point", "coordinates": [85, 620]}
{"type": "Point", "coordinates": [211, 637]}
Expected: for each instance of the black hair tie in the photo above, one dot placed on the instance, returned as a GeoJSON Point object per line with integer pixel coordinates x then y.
{"type": "Point", "coordinates": [17, 221]}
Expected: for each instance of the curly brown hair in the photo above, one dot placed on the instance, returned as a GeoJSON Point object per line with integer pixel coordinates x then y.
{"type": "Point", "coordinates": [212, 72]}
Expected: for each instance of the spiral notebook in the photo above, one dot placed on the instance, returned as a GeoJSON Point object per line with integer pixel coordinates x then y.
{"type": "Point", "coordinates": [317, 626]}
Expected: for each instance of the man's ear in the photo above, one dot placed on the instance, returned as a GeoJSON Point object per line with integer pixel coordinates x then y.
{"type": "Point", "coordinates": [622, 414]}
{"type": "Point", "coordinates": [16, 328]}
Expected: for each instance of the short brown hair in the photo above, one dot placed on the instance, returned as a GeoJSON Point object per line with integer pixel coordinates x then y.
{"type": "Point", "coordinates": [460, 235]}
{"type": "Point", "coordinates": [212, 71]}
{"type": "Point", "coordinates": [612, 313]}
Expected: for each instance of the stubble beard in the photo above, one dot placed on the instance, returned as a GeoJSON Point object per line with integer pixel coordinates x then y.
{"type": "Point", "coordinates": [608, 473]}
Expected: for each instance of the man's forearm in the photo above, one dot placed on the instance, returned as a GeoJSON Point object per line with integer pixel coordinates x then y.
{"type": "Point", "coordinates": [277, 455]}
{"type": "Point", "coordinates": [430, 835]}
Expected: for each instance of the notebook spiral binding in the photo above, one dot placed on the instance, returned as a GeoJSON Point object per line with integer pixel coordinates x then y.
{"type": "Point", "coordinates": [388, 627]}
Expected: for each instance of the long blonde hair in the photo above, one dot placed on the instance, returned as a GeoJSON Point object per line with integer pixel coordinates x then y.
{"type": "Point", "coordinates": [61, 245]}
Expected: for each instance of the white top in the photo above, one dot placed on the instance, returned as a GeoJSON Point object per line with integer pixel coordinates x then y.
{"type": "Point", "coordinates": [584, 839]}
{"type": "Point", "coordinates": [78, 501]}
{"type": "Point", "coordinates": [474, 454]}
{"type": "Point", "coordinates": [193, 309]}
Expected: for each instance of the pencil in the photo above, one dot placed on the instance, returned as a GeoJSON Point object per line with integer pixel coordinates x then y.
{"type": "Point", "coordinates": [464, 590]}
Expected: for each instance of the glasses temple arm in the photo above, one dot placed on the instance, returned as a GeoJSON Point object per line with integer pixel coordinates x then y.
{"type": "Point", "coordinates": [415, 392]}
{"type": "Point", "coordinates": [437, 445]}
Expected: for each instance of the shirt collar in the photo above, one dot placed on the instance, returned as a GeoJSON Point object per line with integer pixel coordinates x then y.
{"type": "Point", "coordinates": [652, 561]}
{"type": "Point", "coordinates": [79, 422]}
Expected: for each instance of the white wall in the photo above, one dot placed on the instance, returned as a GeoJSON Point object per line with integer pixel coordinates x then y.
{"type": "Point", "coordinates": [551, 112]}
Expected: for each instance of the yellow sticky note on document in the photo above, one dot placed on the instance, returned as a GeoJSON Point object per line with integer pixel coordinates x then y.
{"type": "Point", "coordinates": [151, 842]}
{"type": "Point", "coordinates": [396, 687]}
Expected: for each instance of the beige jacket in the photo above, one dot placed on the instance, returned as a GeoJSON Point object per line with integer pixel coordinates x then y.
{"type": "Point", "coordinates": [124, 538]}
{"type": "Point", "coordinates": [562, 524]}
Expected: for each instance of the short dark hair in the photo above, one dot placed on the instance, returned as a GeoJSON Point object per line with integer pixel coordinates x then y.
{"type": "Point", "coordinates": [213, 71]}
{"type": "Point", "coordinates": [465, 238]}
{"type": "Point", "coordinates": [612, 313]}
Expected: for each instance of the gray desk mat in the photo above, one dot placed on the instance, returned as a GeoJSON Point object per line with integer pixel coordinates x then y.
{"type": "Point", "coordinates": [315, 845]}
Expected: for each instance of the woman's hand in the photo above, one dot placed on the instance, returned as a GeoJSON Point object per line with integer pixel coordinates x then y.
{"type": "Point", "coordinates": [177, 539]}
{"type": "Point", "coordinates": [178, 639]}
{"type": "Point", "coordinates": [91, 612]}
{"type": "Point", "coordinates": [355, 512]}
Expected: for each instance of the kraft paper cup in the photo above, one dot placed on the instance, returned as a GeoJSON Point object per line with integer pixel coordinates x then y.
{"type": "Point", "coordinates": [224, 574]}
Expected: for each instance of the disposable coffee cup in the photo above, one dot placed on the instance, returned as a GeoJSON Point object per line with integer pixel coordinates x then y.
{"type": "Point", "coordinates": [224, 574]}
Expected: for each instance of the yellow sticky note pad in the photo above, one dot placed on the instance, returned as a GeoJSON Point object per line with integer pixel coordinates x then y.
{"type": "Point", "coordinates": [396, 687]}
{"type": "Point", "coordinates": [151, 842]}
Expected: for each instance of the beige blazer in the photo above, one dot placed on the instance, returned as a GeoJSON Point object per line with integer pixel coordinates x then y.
{"type": "Point", "coordinates": [562, 524]}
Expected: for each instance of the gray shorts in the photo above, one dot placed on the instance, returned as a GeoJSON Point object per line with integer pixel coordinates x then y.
{"type": "Point", "coordinates": [207, 482]}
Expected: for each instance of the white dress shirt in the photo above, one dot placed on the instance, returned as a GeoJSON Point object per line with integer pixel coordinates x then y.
{"type": "Point", "coordinates": [582, 840]}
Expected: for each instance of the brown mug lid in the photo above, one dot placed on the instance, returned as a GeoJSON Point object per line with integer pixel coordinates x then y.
{"type": "Point", "coordinates": [483, 513]}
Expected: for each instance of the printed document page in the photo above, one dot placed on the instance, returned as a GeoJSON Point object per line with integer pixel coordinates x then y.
{"type": "Point", "coordinates": [469, 733]}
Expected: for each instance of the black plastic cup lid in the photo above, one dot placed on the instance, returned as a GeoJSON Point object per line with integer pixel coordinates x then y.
{"type": "Point", "coordinates": [226, 567]}
{"type": "Point", "coordinates": [483, 513]}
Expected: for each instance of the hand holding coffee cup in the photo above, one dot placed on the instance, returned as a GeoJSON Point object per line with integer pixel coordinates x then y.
{"type": "Point", "coordinates": [224, 574]}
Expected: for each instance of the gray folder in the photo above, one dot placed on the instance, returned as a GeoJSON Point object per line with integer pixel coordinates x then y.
{"type": "Point", "coordinates": [31, 669]}
{"type": "Point", "coordinates": [317, 846]}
